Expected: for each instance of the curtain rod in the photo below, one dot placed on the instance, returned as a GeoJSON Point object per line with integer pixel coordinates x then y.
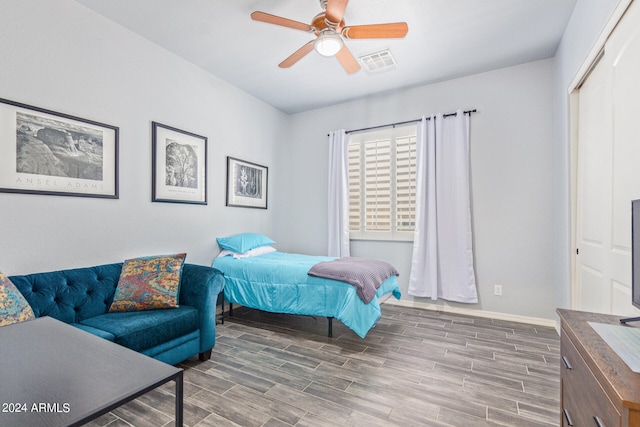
{"type": "Point", "coordinates": [406, 122]}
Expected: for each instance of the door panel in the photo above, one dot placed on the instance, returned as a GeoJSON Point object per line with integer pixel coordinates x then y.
{"type": "Point", "coordinates": [625, 43]}
{"type": "Point", "coordinates": [608, 172]}
{"type": "Point", "coordinates": [594, 190]}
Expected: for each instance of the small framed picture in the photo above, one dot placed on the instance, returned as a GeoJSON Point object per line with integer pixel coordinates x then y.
{"type": "Point", "coordinates": [246, 184]}
{"type": "Point", "coordinates": [46, 152]}
{"type": "Point", "coordinates": [179, 167]}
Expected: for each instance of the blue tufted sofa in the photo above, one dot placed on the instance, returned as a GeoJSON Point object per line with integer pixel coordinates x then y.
{"type": "Point", "coordinates": [81, 297]}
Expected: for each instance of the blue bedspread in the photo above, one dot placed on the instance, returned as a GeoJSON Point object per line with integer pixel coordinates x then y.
{"type": "Point", "coordinates": [278, 282]}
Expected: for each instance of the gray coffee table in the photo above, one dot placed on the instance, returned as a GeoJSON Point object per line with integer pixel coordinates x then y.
{"type": "Point", "coordinates": [53, 374]}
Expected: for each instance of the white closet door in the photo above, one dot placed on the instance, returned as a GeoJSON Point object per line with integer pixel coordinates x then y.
{"type": "Point", "coordinates": [609, 172]}
{"type": "Point", "coordinates": [594, 185]}
{"type": "Point", "coordinates": [625, 42]}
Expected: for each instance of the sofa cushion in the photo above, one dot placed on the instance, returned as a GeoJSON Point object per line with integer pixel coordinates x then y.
{"type": "Point", "coordinates": [148, 283]}
{"type": "Point", "coordinates": [14, 307]}
{"type": "Point", "coordinates": [140, 330]}
{"type": "Point", "coordinates": [70, 295]}
{"type": "Point", "coordinates": [95, 331]}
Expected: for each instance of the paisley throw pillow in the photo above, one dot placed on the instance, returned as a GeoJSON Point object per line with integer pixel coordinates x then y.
{"type": "Point", "coordinates": [14, 307]}
{"type": "Point", "coordinates": [149, 283]}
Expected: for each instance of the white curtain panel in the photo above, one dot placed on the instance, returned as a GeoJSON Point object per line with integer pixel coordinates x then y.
{"type": "Point", "coordinates": [338, 195]}
{"type": "Point", "coordinates": [442, 261]}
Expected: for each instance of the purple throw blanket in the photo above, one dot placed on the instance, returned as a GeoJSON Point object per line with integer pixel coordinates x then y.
{"type": "Point", "coordinates": [364, 273]}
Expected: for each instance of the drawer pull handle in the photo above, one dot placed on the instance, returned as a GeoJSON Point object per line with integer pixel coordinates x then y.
{"type": "Point", "coordinates": [598, 422]}
{"type": "Point", "coordinates": [567, 417]}
{"type": "Point", "coordinates": [566, 363]}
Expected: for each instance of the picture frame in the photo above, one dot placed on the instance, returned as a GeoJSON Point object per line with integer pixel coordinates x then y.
{"type": "Point", "coordinates": [50, 153]}
{"type": "Point", "coordinates": [179, 166]}
{"type": "Point", "coordinates": [247, 184]}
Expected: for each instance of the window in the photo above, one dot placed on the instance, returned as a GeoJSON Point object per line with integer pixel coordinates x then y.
{"type": "Point", "coordinates": [382, 190]}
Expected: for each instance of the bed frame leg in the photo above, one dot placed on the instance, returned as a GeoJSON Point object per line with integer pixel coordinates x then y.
{"type": "Point", "coordinates": [330, 326]}
{"type": "Point", "coordinates": [221, 303]}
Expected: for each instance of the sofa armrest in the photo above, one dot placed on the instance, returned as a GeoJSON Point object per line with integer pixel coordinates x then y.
{"type": "Point", "coordinates": [199, 288]}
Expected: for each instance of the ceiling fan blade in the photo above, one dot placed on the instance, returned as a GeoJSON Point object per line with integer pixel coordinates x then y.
{"type": "Point", "coordinates": [278, 20]}
{"type": "Point", "coordinates": [348, 62]}
{"type": "Point", "coordinates": [335, 10]}
{"type": "Point", "coordinates": [395, 30]}
{"type": "Point", "coordinates": [297, 55]}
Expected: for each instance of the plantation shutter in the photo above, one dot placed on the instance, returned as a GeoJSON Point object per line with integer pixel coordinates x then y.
{"type": "Point", "coordinates": [405, 182]}
{"type": "Point", "coordinates": [377, 185]}
{"type": "Point", "coordinates": [382, 183]}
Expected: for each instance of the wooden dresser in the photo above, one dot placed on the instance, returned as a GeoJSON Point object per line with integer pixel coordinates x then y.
{"type": "Point", "coordinates": [597, 387]}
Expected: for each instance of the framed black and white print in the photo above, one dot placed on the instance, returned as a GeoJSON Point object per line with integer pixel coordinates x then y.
{"type": "Point", "coordinates": [246, 184]}
{"type": "Point", "coordinates": [179, 168]}
{"type": "Point", "coordinates": [46, 152]}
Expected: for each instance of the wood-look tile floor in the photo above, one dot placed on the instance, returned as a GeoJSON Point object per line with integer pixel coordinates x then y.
{"type": "Point", "coordinates": [415, 368]}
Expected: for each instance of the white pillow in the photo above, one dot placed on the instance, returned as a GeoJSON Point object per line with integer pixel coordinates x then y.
{"type": "Point", "coordinates": [253, 252]}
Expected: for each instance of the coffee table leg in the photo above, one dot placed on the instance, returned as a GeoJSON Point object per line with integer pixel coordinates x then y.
{"type": "Point", "coordinates": [179, 392]}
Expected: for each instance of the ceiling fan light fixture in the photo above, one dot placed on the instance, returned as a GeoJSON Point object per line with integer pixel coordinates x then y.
{"type": "Point", "coordinates": [328, 43]}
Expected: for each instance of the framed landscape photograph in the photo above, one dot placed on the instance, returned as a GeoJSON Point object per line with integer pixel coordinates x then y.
{"type": "Point", "coordinates": [46, 152]}
{"type": "Point", "coordinates": [179, 166]}
{"type": "Point", "coordinates": [246, 184]}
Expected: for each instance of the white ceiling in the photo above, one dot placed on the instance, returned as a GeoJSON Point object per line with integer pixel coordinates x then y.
{"type": "Point", "coordinates": [446, 39]}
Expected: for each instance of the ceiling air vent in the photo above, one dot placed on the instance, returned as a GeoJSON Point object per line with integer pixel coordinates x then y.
{"type": "Point", "coordinates": [378, 62]}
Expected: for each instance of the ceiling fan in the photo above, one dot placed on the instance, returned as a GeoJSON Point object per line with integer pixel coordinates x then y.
{"type": "Point", "coordinates": [330, 30]}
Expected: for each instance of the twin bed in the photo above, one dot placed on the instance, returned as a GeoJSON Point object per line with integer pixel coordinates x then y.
{"type": "Point", "coordinates": [280, 282]}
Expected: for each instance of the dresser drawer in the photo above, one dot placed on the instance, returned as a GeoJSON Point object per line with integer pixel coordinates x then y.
{"type": "Point", "coordinates": [584, 401]}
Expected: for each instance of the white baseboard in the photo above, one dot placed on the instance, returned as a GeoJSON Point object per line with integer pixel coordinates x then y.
{"type": "Point", "coordinates": [480, 313]}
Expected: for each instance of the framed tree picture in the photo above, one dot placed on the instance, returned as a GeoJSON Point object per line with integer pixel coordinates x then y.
{"type": "Point", "coordinates": [179, 167]}
{"type": "Point", "coordinates": [246, 184]}
{"type": "Point", "coordinates": [46, 152]}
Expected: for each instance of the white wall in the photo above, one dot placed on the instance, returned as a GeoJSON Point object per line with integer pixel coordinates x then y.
{"type": "Point", "coordinates": [583, 31]}
{"type": "Point", "coordinates": [61, 56]}
{"type": "Point", "coordinates": [511, 160]}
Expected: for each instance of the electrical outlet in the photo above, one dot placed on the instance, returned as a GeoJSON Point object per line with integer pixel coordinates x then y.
{"type": "Point", "coordinates": [497, 290]}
